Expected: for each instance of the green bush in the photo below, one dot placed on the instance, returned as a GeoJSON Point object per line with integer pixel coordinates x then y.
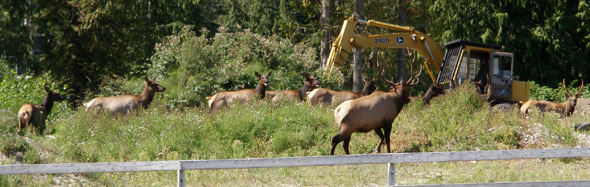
{"type": "Point", "coordinates": [556, 94]}
{"type": "Point", "coordinates": [194, 67]}
{"type": "Point", "coordinates": [20, 89]}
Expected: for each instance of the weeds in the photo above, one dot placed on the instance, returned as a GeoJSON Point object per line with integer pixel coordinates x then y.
{"type": "Point", "coordinates": [460, 120]}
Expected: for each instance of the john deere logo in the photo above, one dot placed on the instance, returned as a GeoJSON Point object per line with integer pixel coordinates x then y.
{"type": "Point", "coordinates": [400, 40]}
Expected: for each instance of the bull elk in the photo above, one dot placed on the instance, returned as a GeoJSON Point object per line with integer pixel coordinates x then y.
{"type": "Point", "coordinates": [124, 104]}
{"type": "Point", "coordinates": [309, 84]}
{"type": "Point", "coordinates": [226, 99]}
{"type": "Point", "coordinates": [373, 112]}
{"type": "Point", "coordinates": [565, 109]}
{"type": "Point", "coordinates": [36, 115]}
{"type": "Point", "coordinates": [331, 97]}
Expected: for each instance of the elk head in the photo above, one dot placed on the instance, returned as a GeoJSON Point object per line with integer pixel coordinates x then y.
{"type": "Point", "coordinates": [571, 99]}
{"type": "Point", "coordinates": [262, 83]}
{"type": "Point", "coordinates": [311, 82]}
{"type": "Point", "coordinates": [52, 96]}
{"type": "Point", "coordinates": [153, 86]}
{"type": "Point", "coordinates": [401, 87]}
{"type": "Point", "coordinates": [369, 86]}
{"type": "Point", "coordinates": [433, 91]}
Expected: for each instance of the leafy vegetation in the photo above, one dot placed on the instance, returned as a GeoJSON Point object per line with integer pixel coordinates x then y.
{"type": "Point", "coordinates": [457, 121]}
{"type": "Point", "coordinates": [207, 65]}
{"type": "Point", "coordinates": [84, 49]}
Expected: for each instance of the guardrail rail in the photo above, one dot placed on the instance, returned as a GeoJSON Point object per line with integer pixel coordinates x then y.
{"type": "Point", "coordinates": [391, 159]}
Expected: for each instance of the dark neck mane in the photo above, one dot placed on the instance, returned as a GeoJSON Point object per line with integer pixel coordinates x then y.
{"type": "Point", "coordinates": [261, 90]}
{"type": "Point", "coordinates": [47, 103]}
{"type": "Point", "coordinates": [569, 108]}
{"type": "Point", "coordinates": [303, 91]}
{"type": "Point", "coordinates": [146, 97]}
{"type": "Point", "coordinates": [367, 89]}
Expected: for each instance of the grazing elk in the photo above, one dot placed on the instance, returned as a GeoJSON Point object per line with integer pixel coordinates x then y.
{"type": "Point", "coordinates": [433, 91]}
{"type": "Point", "coordinates": [226, 99]}
{"type": "Point", "coordinates": [35, 115]}
{"type": "Point", "coordinates": [373, 112]}
{"type": "Point", "coordinates": [124, 104]}
{"type": "Point", "coordinates": [565, 109]}
{"type": "Point", "coordinates": [331, 97]}
{"type": "Point", "coordinates": [309, 84]}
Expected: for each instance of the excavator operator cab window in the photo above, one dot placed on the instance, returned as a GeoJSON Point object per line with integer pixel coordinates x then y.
{"type": "Point", "coordinates": [474, 67]}
{"type": "Point", "coordinates": [502, 74]}
{"type": "Point", "coordinates": [479, 69]}
{"type": "Point", "coordinates": [462, 74]}
{"type": "Point", "coordinates": [502, 66]}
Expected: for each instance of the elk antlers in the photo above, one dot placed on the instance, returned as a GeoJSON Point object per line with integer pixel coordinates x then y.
{"type": "Point", "coordinates": [567, 91]}
{"type": "Point", "coordinates": [413, 80]}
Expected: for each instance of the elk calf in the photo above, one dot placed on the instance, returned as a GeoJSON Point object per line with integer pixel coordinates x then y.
{"type": "Point", "coordinates": [36, 115]}
{"type": "Point", "coordinates": [565, 109]}
{"type": "Point", "coordinates": [226, 99]}
{"type": "Point", "coordinates": [124, 104]}
{"type": "Point", "coordinates": [309, 84]}
{"type": "Point", "coordinates": [331, 97]}
{"type": "Point", "coordinates": [373, 112]}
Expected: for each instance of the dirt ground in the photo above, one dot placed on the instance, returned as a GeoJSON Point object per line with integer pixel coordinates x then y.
{"type": "Point", "coordinates": [583, 106]}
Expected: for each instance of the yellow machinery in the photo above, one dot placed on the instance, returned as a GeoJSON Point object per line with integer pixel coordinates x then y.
{"type": "Point", "coordinates": [485, 64]}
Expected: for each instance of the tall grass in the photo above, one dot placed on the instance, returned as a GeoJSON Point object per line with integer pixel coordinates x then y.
{"type": "Point", "coordinates": [460, 120]}
{"type": "Point", "coordinates": [257, 130]}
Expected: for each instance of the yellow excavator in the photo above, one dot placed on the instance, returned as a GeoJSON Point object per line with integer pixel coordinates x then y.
{"type": "Point", "coordinates": [486, 64]}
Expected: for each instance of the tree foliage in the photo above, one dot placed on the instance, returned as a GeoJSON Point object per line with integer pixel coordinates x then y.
{"type": "Point", "coordinates": [550, 38]}
{"type": "Point", "coordinates": [81, 43]}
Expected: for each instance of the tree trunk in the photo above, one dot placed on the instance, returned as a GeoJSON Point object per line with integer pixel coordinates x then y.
{"type": "Point", "coordinates": [402, 71]}
{"type": "Point", "coordinates": [357, 67]}
{"type": "Point", "coordinates": [326, 22]}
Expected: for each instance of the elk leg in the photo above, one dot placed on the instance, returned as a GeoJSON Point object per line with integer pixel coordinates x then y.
{"type": "Point", "coordinates": [381, 137]}
{"type": "Point", "coordinates": [345, 145]}
{"type": "Point", "coordinates": [335, 140]}
{"type": "Point", "coordinates": [387, 129]}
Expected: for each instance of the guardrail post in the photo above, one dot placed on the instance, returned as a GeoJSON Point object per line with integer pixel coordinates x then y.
{"type": "Point", "coordinates": [391, 174]}
{"type": "Point", "coordinates": [181, 181]}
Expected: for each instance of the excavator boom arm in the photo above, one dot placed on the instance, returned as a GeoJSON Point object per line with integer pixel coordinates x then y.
{"type": "Point", "coordinates": [406, 37]}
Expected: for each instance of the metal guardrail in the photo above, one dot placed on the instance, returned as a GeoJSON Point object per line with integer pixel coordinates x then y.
{"type": "Point", "coordinates": [391, 159]}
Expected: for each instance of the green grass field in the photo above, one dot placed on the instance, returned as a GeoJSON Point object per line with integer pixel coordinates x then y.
{"type": "Point", "coordinates": [457, 121]}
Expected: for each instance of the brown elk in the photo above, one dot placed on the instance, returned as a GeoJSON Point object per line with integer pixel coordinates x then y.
{"type": "Point", "coordinates": [226, 99]}
{"type": "Point", "coordinates": [309, 84]}
{"type": "Point", "coordinates": [331, 97]}
{"type": "Point", "coordinates": [35, 115]}
{"type": "Point", "coordinates": [124, 104]}
{"type": "Point", "coordinates": [565, 109]}
{"type": "Point", "coordinates": [433, 91]}
{"type": "Point", "coordinates": [373, 112]}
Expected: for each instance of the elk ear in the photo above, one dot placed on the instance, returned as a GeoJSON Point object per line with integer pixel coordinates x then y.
{"type": "Point", "coordinates": [46, 88]}
{"type": "Point", "coordinates": [147, 81]}
{"type": "Point", "coordinates": [256, 73]}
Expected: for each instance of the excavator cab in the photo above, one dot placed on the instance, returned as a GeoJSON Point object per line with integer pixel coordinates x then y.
{"type": "Point", "coordinates": [490, 69]}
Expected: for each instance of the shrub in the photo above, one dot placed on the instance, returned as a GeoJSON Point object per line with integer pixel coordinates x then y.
{"type": "Point", "coordinates": [20, 89]}
{"type": "Point", "coordinates": [198, 66]}
{"type": "Point", "coordinates": [556, 94]}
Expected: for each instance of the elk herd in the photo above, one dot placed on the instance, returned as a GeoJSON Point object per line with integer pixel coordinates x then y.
{"type": "Point", "coordinates": [364, 111]}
